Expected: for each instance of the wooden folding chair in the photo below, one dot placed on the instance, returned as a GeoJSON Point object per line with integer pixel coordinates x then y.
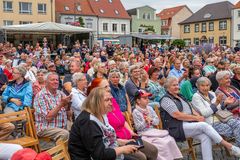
{"type": "Point", "coordinates": [59, 152]}
{"type": "Point", "coordinates": [190, 149]}
{"type": "Point", "coordinates": [31, 139]}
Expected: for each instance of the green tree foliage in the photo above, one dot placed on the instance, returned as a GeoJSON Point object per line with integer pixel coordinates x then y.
{"type": "Point", "coordinates": [179, 43]}
{"type": "Point", "coordinates": [80, 19]}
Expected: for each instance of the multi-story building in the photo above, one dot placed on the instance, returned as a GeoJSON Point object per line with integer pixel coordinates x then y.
{"type": "Point", "coordinates": [144, 19]}
{"type": "Point", "coordinates": [210, 24]}
{"type": "Point", "coordinates": [236, 24]}
{"type": "Point", "coordinates": [107, 18]}
{"type": "Point", "coordinates": [170, 17]}
{"type": "Point", "coordinates": [26, 11]}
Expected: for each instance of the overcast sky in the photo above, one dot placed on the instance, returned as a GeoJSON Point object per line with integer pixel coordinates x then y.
{"type": "Point", "coordinates": [194, 5]}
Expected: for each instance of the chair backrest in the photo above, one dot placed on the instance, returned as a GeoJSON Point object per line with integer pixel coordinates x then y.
{"type": "Point", "coordinates": [59, 152]}
{"type": "Point", "coordinates": [25, 116]}
{"type": "Point", "coordinates": [159, 126]}
{"type": "Point", "coordinates": [128, 119]}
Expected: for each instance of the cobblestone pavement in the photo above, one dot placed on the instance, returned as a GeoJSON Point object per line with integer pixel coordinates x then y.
{"type": "Point", "coordinates": [219, 153]}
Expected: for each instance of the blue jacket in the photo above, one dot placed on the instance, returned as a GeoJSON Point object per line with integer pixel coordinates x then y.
{"type": "Point", "coordinates": [25, 94]}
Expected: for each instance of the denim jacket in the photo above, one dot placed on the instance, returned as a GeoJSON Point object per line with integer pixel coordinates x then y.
{"type": "Point", "coordinates": [119, 94]}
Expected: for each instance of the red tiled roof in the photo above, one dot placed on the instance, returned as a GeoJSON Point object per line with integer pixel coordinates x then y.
{"type": "Point", "coordinates": [72, 5]}
{"type": "Point", "coordinates": [101, 8]}
{"type": "Point", "coordinates": [237, 6]}
{"type": "Point", "coordinates": [113, 9]}
{"type": "Point", "coordinates": [170, 12]}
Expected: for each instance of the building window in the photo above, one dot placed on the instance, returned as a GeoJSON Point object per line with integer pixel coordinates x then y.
{"type": "Point", "coordinates": [196, 41]}
{"type": "Point", "coordinates": [144, 15]}
{"type": "Point", "coordinates": [187, 42]}
{"type": "Point", "coordinates": [114, 27]}
{"type": "Point", "coordinates": [223, 40]}
{"type": "Point", "coordinates": [7, 23]}
{"type": "Point", "coordinates": [196, 27]}
{"type": "Point", "coordinates": [164, 22]}
{"type": "Point", "coordinates": [204, 27]}
{"type": "Point", "coordinates": [25, 7]}
{"type": "Point", "coordinates": [140, 30]}
{"type": "Point", "coordinates": [211, 40]}
{"type": "Point", "coordinates": [105, 27]}
{"type": "Point", "coordinates": [89, 25]}
{"type": "Point", "coordinates": [25, 22]}
{"type": "Point", "coordinates": [211, 26]}
{"type": "Point", "coordinates": [116, 12]}
{"type": "Point", "coordinates": [238, 13]}
{"type": "Point", "coordinates": [101, 10]}
{"type": "Point", "coordinates": [66, 8]}
{"type": "Point", "coordinates": [7, 6]}
{"type": "Point", "coordinates": [238, 27]}
{"type": "Point", "coordinates": [186, 28]}
{"type": "Point", "coordinates": [149, 16]}
{"type": "Point", "coordinates": [78, 8]}
{"type": "Point", "coordinates": [42, 8]}
{"type": "Point", "coordinates": [222, 25]}
{"type": "Point", "coordinates": [123, 27]}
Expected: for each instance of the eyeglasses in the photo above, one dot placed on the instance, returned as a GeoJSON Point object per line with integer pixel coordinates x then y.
{"type": "Point", "coordinates": [108, 99]}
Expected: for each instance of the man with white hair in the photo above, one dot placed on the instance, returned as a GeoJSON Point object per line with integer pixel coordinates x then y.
{"type": "Point", "coordinates": [51, 106]}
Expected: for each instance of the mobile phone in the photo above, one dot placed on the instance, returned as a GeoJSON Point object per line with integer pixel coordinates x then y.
{"type": "Point", "coordinates": [138, 142]}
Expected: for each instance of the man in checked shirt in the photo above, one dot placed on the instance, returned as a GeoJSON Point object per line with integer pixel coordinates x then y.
{"type": "Point", "coordinates": [51, 107]}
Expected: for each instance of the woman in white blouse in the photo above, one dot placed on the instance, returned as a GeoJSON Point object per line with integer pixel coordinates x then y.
{"type": "Point", "coordinates": [207, 104]}
{"type": "Point", "coordinates": [78, 92]}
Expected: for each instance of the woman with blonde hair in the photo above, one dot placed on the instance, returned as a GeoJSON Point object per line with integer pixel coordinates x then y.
{"type": "Point", "coordinates": [91, 136]}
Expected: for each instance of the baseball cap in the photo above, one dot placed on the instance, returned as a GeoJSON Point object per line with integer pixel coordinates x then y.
{"type": "Point", "coordinates": [30, 154]}
{"type": "Point", "coordinates": [142, 93]}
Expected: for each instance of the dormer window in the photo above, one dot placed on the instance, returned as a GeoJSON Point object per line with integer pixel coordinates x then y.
{"type": "Point", "coordinates": [116, 11]}
{"type": "Point", "coordinates": [208, 15]}
{"type": "Point", "coordinates": [110, 1]}
{"type": "Point", "coordinates": [101, 10]}
{"type": "Point", "coordinates": [66, 8]}
{"type": "Point", "coordinates": [78, 8]}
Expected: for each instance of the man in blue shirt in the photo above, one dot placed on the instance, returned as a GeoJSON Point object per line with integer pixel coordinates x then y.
{"type": "Point", "coordinates": [181, 74]}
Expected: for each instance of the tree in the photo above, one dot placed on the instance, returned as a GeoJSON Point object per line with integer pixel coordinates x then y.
{"type": "Point", "coordinates": [179, 43]}
{"type": "Point", "coordinates": [80, 20]}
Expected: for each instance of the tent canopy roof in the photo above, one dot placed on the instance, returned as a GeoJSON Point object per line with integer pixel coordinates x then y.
{"type": "Point", "coordinates": [45, 28]}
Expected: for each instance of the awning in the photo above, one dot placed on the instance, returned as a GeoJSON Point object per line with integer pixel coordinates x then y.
{"type": "Point", "coordinates": [45, 28]}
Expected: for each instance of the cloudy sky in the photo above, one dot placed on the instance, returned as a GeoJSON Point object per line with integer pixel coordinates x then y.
{"type": "Point", "coordinates": [194, 5]}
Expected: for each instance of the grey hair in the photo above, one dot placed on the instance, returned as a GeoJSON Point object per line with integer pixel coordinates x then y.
{"type": "Point", "coordinates": [169, 81]}
{"type": "Point", "coordinates": [76, 77]}
{"type": "Point", "coordinates": [203, 80]}
{"type": "Point", "coordinates": [46, 76]}
{"type": "Point", "coordinates": [122, 65]}
{"type": "Point", "coordinates": [155, 60]}
{"type": "Point", "coordinates": [114, 72]}
{"type": "Point", "coordinates": [133, 67]}
{"type": "Point", "coordinates": [221, 74]}
{"type": "Point", "coordinates": [21, 69]}
{"type": "Point", "coordinates": [44, 71]}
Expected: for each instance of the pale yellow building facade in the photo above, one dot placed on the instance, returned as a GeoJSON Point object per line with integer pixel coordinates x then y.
{"type": "Point", "coordinates": [26, 11]}
{"type": "Point", "coordinates": [215, 32]}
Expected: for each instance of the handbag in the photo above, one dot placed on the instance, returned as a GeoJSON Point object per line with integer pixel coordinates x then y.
{"type": "Point", "coordinates": [224, 115]}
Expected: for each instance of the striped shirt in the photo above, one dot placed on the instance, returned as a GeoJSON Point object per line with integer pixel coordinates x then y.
{"type": "Point", "coordinates": [168, 105]}
{"type": "Point", "coordinates": [44, 102]}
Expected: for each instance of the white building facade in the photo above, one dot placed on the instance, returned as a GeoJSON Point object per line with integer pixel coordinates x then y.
{"type": "Point", "coordinates": [236, 27]}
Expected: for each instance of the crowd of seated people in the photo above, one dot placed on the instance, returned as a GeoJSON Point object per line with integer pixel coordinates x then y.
{"type": "Point", "coordinates": [94, 88]}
